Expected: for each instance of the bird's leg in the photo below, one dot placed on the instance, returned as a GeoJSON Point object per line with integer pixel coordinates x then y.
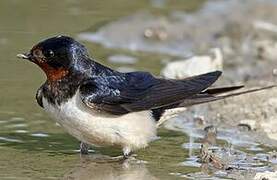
{"type": "Point", "coordinates": [127, 152]}
{"type": "Point", "coordinates": [84, 148]}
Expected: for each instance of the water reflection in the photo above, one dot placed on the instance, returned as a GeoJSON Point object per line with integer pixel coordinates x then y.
{"type": "Point", "coordinates": [88, 168]}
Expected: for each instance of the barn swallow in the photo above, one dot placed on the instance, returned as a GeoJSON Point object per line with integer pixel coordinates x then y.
{"type": "Point", "coordinates": [101, 106]}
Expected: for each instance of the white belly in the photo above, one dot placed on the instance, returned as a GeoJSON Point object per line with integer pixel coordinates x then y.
{"type": "Point", "coordinates": [132, 131]}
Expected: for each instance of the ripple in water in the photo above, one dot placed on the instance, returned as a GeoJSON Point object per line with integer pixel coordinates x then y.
{"type": "Point", "coordinates": [10, 139]}
{"type": "Point", "coordinates": [21, 131]}
{"type": "Point", "coordinates": [40, 135]}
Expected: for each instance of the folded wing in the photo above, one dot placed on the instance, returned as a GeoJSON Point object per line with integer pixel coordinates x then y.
{"type": "Point", "coordinates": [139, 91]}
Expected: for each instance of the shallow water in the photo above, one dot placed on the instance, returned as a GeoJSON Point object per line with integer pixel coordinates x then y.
{"type": "Point", "coordinates": [32, 146]}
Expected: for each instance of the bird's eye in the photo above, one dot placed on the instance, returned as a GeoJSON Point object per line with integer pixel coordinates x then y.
{"type": "Point", "coordinates": [49, 54]}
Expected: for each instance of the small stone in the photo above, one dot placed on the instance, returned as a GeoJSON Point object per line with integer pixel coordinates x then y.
{"type": "Point", "coordinates": [210, 136]}
{"type": "Point", "coordinates": [198, 120]}
{"type": "Point", "coordinates": [207, 156]}
{"type": "Point", "coordinates": [274, 72]}
{"type": "Point", "coordinates": [266, 175]}
{"type": "Point", "coordinates": [247, 124]}
{"type": "Point", "coordinates": [156, 33]}
{"type": "Point", "coordinates": [244, 127]}
{"type": "Point", "coordinates": [148, 33]}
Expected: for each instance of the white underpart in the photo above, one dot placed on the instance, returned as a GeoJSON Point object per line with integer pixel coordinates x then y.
{"type": "Point", "coordinates": [131, 131]}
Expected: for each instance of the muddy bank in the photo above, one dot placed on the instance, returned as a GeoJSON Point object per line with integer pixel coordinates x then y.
{"type": "Point", "coordinates": [253, 114]}
{"type": "Point", "coordinates": [181, 33]}
{"type": "Point", "coordinates": [243, 144]}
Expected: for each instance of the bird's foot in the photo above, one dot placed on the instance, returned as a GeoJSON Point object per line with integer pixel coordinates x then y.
{"type": "Point", "coordinates": [127, 152]}
{"type": "Point", "coordinates": [128, 156]}
{"type": "Point", "coordinates": [84, 148]}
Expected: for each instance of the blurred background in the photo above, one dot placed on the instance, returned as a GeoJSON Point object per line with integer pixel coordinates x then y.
{"type": "Point", "coordinates": [169, 38]}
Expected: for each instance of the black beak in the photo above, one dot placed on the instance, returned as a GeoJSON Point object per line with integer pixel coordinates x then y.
{"type": "Point", "coordinates": [24, 56]}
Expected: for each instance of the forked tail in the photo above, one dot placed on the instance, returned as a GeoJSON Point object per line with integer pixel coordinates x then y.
{"type": "Point", "coordinates": [217, 94]}
{"type": "Point", "coordinates": [209, 95]}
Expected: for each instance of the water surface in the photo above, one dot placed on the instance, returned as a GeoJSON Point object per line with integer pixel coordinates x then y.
{"type": "Point", "coordinates": [32, 146]}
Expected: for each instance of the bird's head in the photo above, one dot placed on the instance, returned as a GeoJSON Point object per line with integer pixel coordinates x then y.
{"type": "Point", "coordinates": [56, 56]}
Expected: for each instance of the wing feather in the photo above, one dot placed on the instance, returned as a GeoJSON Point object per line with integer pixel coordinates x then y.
{"type": "Point", "coordinates": [139, 91]}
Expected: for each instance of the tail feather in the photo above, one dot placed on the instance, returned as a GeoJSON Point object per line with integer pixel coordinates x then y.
{"type": "Point", "coordinates": [208, 97]}
{"type": "Point", "coordinates": [221, 90]}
